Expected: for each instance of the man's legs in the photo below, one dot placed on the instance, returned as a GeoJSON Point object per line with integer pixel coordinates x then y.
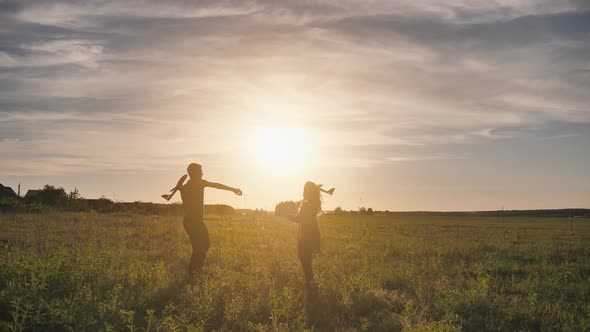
{"type": "Point", "coordinates": [199, 237]}
{"type": "Point", "coordinates": [197, 260]}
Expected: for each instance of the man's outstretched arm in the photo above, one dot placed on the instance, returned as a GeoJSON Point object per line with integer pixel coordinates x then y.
{"type": "Point", "coordinates": [223, 187]}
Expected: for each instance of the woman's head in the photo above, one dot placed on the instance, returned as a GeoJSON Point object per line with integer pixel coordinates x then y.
{"type": "Point", "coordinates": [311, 193]}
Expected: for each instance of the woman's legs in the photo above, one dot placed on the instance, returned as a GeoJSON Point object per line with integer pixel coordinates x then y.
{"type": "Point", "coordinates": [306, 263]}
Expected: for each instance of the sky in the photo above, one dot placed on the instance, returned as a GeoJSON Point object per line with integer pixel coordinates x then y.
{"type": "Point", "coordinates": [400, 105]}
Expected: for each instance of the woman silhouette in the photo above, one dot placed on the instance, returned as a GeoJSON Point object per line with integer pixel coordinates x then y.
{"type": "Point", "coordinates": [309, 233]}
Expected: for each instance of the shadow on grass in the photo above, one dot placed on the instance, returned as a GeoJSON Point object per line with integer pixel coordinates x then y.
{"type": "Point", "coordinates": [165, 296]}
{"type": "Point", "coordinates": [323, 309]}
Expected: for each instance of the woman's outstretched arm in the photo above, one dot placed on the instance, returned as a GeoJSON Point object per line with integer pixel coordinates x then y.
{"type": "Point", "coordinates": [293, 217]}
{"type": "Point", "coordinates": [298, 217]}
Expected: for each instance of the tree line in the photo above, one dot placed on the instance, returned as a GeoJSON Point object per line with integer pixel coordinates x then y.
{"type": "Point", "coordinates": [53, 198]}
{"type": "Point", "coordinates": [291, 207]}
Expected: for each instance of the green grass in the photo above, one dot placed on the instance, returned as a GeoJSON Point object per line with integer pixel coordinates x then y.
{"type": "Point", "coordinates": [90, 272]}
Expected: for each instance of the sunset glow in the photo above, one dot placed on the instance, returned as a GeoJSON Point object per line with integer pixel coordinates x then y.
{"type": "Point", "coordinates": [282, 149]}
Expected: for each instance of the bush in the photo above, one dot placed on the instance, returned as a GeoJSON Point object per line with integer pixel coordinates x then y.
{"type": "Point", "coordinates": [49, 195]}
{"type": "Point", "coordinates": [13, 205]}
{"type": "Point", "coordinates": [286, 208]}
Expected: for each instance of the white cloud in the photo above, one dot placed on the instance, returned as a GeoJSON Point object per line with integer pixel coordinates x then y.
{"type": "Point", "coordinates": [434, 156]}
{"type": "Point", "coordinates": [86, 14]}
{"type": "Point", "coordinates": [84, 53]}
{"type": "Point", "coordinates": [6, 60]}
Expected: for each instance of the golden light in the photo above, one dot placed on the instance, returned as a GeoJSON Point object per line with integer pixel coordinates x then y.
{"type": "Point", "coordinates": [282, 149]}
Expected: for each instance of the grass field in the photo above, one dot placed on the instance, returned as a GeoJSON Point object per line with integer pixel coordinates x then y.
{"type": "Point", "coordinates": [90, 272]}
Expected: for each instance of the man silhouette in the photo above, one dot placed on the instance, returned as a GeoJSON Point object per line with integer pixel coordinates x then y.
{"type": "Point", "coordinates": [192, 194]}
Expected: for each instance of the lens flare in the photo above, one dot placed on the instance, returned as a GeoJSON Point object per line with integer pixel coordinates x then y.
{"type": "Point", "coordinates": [283, 149]}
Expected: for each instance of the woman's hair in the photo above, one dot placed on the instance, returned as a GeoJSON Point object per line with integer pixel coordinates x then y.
{"type": "Point", "coordinates": [311, 193]}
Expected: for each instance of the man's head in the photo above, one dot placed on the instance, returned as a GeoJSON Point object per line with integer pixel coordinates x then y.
{"type": "Point", "coordinates": [194, 171]}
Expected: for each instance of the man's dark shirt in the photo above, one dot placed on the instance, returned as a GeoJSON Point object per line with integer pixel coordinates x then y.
{"type": "Point", "coordinates": [192, 194]}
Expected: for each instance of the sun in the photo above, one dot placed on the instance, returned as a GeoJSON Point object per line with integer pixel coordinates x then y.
{"type": "Point", "coordinates": [283, 149]}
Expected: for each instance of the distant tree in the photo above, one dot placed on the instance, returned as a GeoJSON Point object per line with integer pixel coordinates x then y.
{"type": "Point", "coordinates": [50, 195]}
{"type": "Point", "coordinates": [227, 209]}
{"type": "Point", "coordinates": [286, 208]}
{"type": "Point", "coordinates": [222, 209]}
{"type": "Point", "coordinates": [102, 204]}
{"type": "Point", "coordinates": [74, 194]}
{"type": "Point", "coordinates": [338, 211]}
{"type": "Point", "coordinates": [370, 211]}
{"type": "Point", "coordinates": [76, 202]}
{"type": "Point", "coordinates": [362, 210]}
